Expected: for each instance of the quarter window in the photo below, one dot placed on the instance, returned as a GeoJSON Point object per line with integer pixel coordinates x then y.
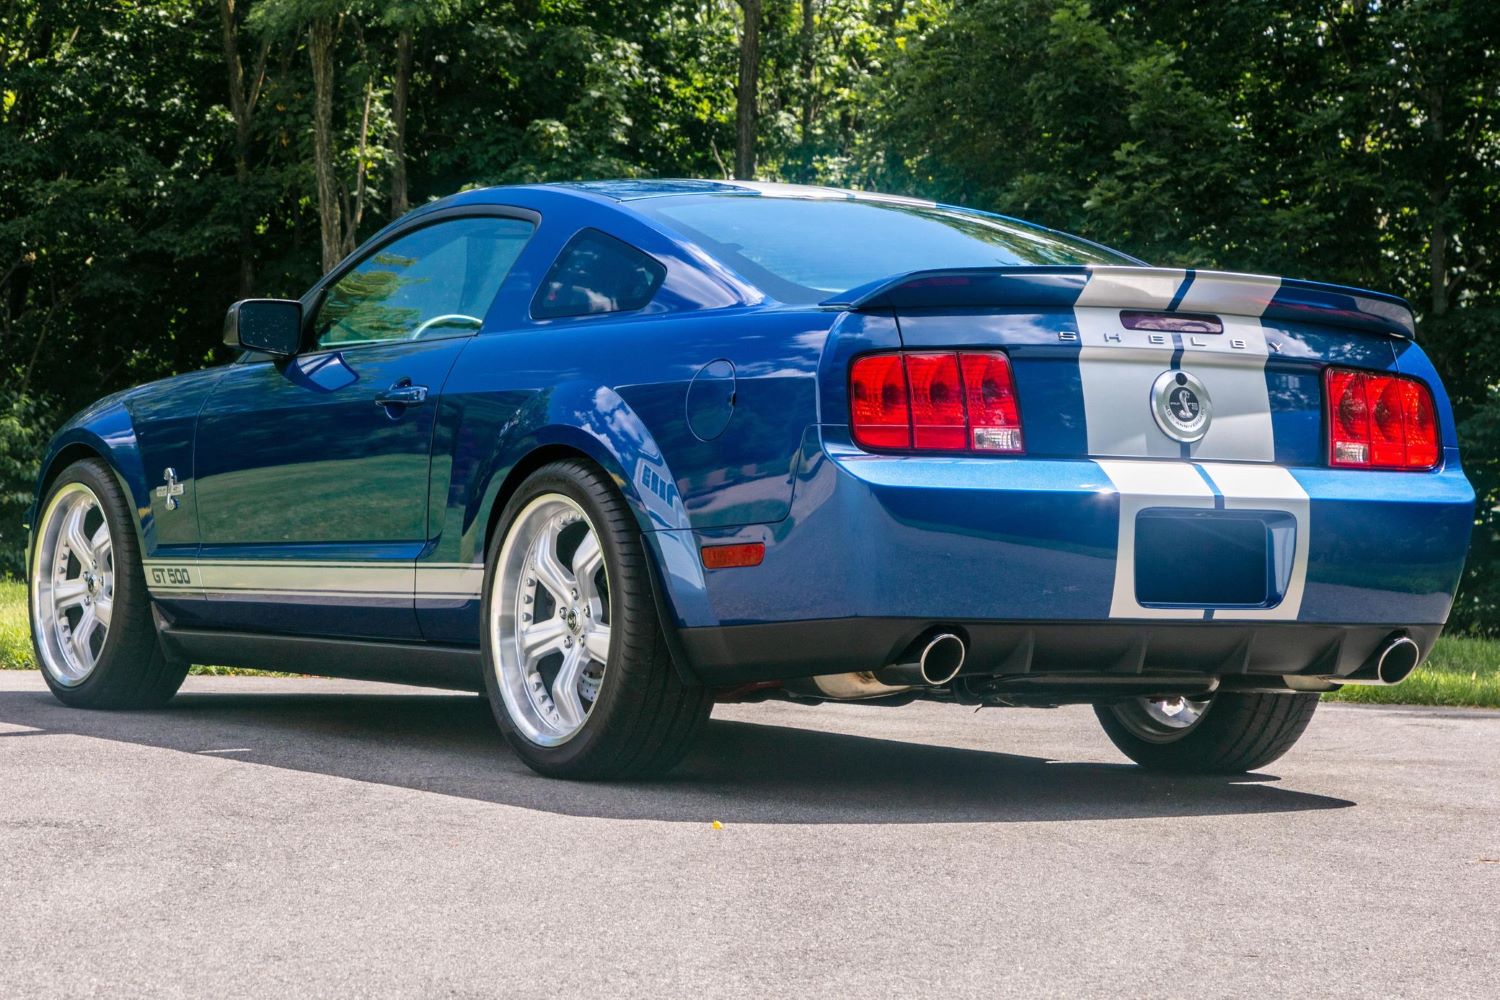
{"type": "Point", "coordinates": [436, 282]}
{"type": "Point", "coordinates": [596, 273]}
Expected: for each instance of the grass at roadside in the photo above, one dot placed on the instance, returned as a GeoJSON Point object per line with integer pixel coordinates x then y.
{"type": "Point", "coordinates": [15, 636]}
{"type": "Point", "coordinates": [1462, 671]}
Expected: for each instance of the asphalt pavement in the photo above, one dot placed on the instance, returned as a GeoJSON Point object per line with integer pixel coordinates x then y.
{"type": "Point", "coordinates": [314, 838]}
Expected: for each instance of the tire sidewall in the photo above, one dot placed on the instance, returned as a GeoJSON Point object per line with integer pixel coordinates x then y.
{"type": "Point", "coordinates": [616, 698]}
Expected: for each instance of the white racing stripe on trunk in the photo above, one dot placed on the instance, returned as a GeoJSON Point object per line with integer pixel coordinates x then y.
{"type": "Point", "coordinates": [1186, 485]}
{"type": "Point", "coordinates": [1236, 294]}
{"type": "Point", "coordinates": [1117, 367]}
{"type": "Point", "coordinates": [1132, 287]}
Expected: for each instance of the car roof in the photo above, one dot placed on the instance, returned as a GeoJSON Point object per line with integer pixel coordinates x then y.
{"type": "Point", "coordinates": [638, 189]}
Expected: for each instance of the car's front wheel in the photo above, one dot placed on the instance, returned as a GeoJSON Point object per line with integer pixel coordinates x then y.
{"type": "Point", "coordinates": [91, 623]}
{"type": "Point", "coordinates": [576, 667]}
{"type": "Point", "coordinates": [1225, 733]}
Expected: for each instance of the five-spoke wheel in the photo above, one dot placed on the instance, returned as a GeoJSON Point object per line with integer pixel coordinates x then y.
{"type": "Point", "coordinates": [550, 624]}
{"type": "Point", "coordinates": [73, 589]}
{"type": "Point", "coordinates": [91, 623]}
{"type": "Point", "coordinates": [576, 666]}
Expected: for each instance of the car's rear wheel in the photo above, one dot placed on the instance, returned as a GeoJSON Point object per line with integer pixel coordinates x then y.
{"type": "Point", "coordinates": [91, 622]}
{"type": "Point", "coordinates": [577, 670]}
{"type": "Point", "coordinates": [1226, 733]}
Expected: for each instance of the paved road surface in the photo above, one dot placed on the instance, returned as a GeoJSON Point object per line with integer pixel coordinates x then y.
{"type": "Point", "coordinates": [314, 838]}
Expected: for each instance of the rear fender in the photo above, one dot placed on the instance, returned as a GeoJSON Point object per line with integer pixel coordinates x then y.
{"type": "Point", "coordinates": [596, 422]}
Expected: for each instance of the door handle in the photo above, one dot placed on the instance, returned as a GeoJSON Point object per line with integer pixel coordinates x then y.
{"type": "Point", "coordinates": [403, 393]}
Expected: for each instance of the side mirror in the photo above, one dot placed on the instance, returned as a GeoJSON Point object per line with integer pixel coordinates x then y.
{"type": "Point", "coordinates": [271, 326]}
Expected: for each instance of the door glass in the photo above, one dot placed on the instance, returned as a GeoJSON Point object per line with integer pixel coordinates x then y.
{"type": "Point", "coordinates": [435, 282]}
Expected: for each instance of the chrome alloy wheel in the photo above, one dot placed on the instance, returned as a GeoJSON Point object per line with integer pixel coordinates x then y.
{"type": "Point", "coordinates": [1162, 720]}
{"type": "Point", "coordinates": [549, 619]}
{"type": "Point", "coordinates": [73, 584]}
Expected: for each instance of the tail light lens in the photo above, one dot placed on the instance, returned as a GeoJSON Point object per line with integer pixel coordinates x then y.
{"type": "Point", "coordinates": [1380, 421]}
{"type": "Point", "coordinates": [994, 413]}
{"type": "Point", "coordinates": [880, 402]}
{"type": "Point", "coordinates": [935, 401]}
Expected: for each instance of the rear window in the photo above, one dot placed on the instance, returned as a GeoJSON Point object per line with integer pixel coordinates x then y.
{"type": "Point", "coordinates": [807, 249]}
{"type": "Point", "coordinates": [596, 273]}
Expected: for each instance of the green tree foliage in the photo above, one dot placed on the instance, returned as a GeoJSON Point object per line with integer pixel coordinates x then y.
{"type": "Point", "coordinates": [162, 157]}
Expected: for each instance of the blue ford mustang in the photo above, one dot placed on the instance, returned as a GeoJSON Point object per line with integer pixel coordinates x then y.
{"type": "Point", "coordinates": [608, 452]}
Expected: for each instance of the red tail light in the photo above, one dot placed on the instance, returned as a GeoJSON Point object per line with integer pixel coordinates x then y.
{"type": "Point", "coordinates": [994, 413]}
{"type": "Point", "coordinates": [935, 401]}
{"type": "Point", "coordinates": [1380, 421]}
{"type": "Point", "coordinates": [880, 402]}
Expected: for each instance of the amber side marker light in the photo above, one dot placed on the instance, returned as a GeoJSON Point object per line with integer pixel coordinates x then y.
{"type": "Point", "coordinates": [732, 556]}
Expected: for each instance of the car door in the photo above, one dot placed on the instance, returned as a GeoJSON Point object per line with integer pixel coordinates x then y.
{"type": "Point", "coordinates": [312, 471]}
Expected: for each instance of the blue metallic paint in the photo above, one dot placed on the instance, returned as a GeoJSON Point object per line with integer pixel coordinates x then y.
{"type": "Point", "coordinates": [847, 533]}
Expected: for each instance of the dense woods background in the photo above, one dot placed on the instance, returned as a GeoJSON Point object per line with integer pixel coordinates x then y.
{"type": "Point", "coordinates": [160, 159]}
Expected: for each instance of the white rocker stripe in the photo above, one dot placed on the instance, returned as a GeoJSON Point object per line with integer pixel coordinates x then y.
{"type": "Point", "coordinates": [245, 579]}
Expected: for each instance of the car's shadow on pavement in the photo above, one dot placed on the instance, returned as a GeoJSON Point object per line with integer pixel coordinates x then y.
{"type": "Point", "coordinates": [739, 773]}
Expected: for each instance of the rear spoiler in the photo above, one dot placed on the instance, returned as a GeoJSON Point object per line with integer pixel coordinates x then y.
{"type": "Point", "coordinates": [1152, 288]}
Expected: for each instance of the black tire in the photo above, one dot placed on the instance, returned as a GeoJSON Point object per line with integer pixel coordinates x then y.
{"type": "Point", "coordinates": [644, 718]}
{"type": "Point", "coordinates": [131, 670]}
{"type": "Point", "coordinates": [1237, 733]}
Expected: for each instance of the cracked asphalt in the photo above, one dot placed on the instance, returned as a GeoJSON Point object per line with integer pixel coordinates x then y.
{"type": "Point", "coordinates": [315, 838]}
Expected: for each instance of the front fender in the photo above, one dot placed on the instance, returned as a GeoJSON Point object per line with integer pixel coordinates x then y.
{"type": "Point", "coordinates": [107, 430]}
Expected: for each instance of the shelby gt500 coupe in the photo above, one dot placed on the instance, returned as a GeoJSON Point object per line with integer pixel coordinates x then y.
{"type": "Point", "coordinates": [611, 451]}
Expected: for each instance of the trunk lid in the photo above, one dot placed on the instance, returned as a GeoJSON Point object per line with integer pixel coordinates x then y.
{"type": "Point", "coordinates": [1136, 362]}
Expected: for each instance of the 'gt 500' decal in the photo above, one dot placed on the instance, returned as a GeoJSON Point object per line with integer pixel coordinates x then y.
{"type": "Point", "coordinates": [171, 576]}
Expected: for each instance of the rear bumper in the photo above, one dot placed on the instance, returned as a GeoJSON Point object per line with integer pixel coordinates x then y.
{"type": "Point", "coordinates": [1046, 654]}
{"type": "Point", "coordinates": [877, 546]}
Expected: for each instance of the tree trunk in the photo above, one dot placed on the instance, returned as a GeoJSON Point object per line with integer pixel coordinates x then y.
{"type": "Point", "coordinates": [357, 213]}
{"type": "Point", "coordinates": [744, 146]}
{"type": "Point", "coordinates": [242, 108]}
{"type": "Point", "coordinates": [399, 199]}
{"type": "Point", "coordinates": [320, 39]}
{"type": "Point", "coordinates": [1438, 199]}
{"type": "Point", "coordinates": [808, 66]}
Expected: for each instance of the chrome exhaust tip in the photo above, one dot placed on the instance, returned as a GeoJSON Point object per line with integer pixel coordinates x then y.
{"type": "Point", "coordinates": [1397, 660]}
{"type": "Point", "coordinates": [931, 661]}
{"type": "Point", "coordinates": [942, 658]}
{"type": "Point", "coordinates": [1392, 663]}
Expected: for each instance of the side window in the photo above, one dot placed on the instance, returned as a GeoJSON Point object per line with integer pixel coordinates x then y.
{"type": "Point", "coordinates": [596, 273]}
{"type": "Point", "coordinates": [434, 282]}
